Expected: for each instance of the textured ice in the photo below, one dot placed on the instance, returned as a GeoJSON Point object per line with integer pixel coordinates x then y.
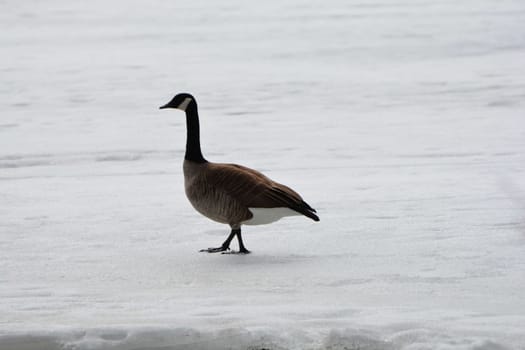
{"type": "Point", "coordinates": [401, 122]}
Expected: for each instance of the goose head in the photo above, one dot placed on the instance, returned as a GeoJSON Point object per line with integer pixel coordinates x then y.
{"type": "Point", "coordinates": [180, 101]}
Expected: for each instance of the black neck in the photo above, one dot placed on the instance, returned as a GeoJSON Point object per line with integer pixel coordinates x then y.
{"type": "Point", "coordinates": [193, 145]}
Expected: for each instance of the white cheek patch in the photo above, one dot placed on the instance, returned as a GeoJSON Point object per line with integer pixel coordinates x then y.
{"type": "Point", "coordinates": [185, 104]}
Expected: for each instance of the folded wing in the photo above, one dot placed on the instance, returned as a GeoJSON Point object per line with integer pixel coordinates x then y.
{"type": "Point", "coordinates": [255, 190]}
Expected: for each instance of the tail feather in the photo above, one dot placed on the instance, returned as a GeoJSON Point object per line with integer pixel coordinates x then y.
{"type": "Point", "coordinates": [305, 209]}
{"type": "Point", "coordinates": [293, 201]}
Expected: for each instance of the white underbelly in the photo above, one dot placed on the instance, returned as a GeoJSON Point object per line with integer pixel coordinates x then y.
{"type": "Point", "coordinates": [263, 216]}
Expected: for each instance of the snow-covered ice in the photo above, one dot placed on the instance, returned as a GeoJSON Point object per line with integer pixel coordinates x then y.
{"type": "Point", "coordinates": [401, 122]}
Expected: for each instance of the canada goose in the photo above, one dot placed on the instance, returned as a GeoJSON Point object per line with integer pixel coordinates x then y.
{"type": "Point", "coordinates": [229, 193]}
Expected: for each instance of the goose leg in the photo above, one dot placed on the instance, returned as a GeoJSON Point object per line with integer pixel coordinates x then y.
{"type": "Point", "coordinates": [224, 247]}
{"type": "Point", "coordinates": [242, 248]}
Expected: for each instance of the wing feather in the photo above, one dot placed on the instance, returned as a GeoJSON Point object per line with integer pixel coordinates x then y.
{"type": "Point", "coordinates": [255, 190]}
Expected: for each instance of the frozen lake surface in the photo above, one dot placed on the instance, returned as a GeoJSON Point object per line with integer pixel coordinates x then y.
{"type": "Point", "coordinates": [401, 122]}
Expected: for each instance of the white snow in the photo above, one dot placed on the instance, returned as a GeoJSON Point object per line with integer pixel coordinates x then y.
{"type": "Point", "coordinates": [401, 122]}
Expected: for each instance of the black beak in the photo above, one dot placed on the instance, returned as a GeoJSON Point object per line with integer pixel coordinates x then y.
{"type": "Point", "coordinates": [165, 106]}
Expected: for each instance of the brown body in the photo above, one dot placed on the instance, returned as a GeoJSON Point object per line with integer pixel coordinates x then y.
{"type": "Point", "coordinates": [226, 193]}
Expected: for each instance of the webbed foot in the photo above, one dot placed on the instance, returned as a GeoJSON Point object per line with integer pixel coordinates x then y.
{"type": "Point", "coordinates": [235, 252]}
{"type": "Point", "coordinates": [244, 251]}
{"type": "Point", "coordinates": [215, 250]}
